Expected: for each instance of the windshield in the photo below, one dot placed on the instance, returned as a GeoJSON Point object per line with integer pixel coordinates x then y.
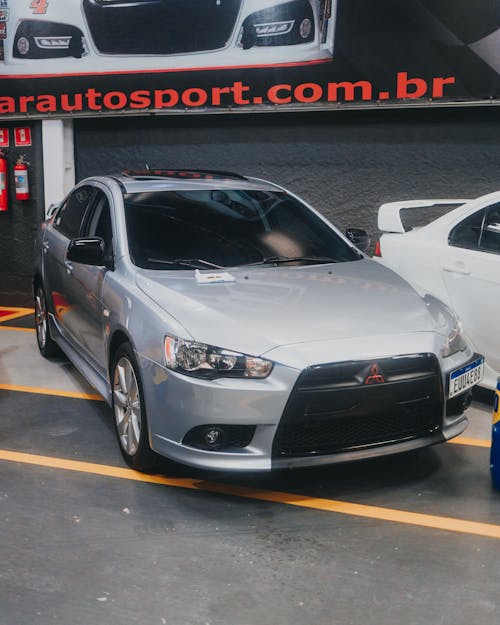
{"type": "Point", "coordinates": [213, 228]}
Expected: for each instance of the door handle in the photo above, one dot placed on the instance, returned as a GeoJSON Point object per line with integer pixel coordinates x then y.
{"type": "Point", "coordinates": [460, 269]}
{"type": "Point", "coordinates": [69, 267]}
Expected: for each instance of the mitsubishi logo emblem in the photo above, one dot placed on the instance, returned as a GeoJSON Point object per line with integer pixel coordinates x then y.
{"type": "Point", "coordinates": [375, 375]}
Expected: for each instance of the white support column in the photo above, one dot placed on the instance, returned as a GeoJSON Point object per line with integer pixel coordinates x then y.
{"type": "Point", "coordinates": [58, 159]}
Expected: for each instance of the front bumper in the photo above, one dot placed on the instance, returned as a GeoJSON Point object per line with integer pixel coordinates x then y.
{"type": "Point", "coordinates": [176, 404]}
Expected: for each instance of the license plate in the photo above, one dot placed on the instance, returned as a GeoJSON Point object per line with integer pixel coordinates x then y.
{"type": "Point", "coordinates": [466, 377]}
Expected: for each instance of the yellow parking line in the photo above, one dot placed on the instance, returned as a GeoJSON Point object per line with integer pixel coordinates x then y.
{"type": "Point", "coordinates": [50, 391]}
{"type": "Point", "coordinates": [16, 312]}
{"type": "Point", "coordinates": [475, 442]}
{"type": "Point", "coordinates": [449, 524]}
{"type": "Point", "coordinates": [14, 329]}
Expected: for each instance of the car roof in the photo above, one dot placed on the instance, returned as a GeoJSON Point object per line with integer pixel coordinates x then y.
{"type": "Point", "coordinates": [141, 181]}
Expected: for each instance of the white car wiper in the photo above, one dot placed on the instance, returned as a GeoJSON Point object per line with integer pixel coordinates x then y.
{"type": "Point", "coordinates": [278, 260]}
{"type": "Point", "coordinates": [192, 263]}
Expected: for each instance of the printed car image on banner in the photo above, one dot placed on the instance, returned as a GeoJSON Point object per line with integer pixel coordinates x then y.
{"type": "Point", "coordinates": [104, 56]}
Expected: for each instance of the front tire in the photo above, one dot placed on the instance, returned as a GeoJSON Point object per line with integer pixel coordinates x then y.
{"type": "Point", "coordinates": [47, 346]}
{"type": "Point", "coordinates": [130, 411]}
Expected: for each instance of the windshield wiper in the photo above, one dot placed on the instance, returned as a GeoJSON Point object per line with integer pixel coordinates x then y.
{"type": "Point", "coordinates": [192, 263]}
{"type": "Point", "coordinates": [278, 260]}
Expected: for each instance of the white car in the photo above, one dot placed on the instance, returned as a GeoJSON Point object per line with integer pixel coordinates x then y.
{"type": "Point", "coordinates": [95, 36]}
{"type": "Point", "coordinates": [456, 258]}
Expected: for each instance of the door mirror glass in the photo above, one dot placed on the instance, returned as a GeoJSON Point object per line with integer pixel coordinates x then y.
{"type": "Point", "coordinates": [359, 237]}
{"type": "Point", "coordinates": [51, 210]}
{"type": "Point", "coordinates": [88, 251]}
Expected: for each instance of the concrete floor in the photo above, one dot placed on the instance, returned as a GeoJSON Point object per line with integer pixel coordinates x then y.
{"type": "Point", "coordinates": [84, 542]}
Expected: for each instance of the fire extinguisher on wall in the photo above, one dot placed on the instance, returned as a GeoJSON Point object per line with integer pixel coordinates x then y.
{"type": "Point", "coordinates": [21, 179]}
{"type": "Point", "coordinates": [4, 202]}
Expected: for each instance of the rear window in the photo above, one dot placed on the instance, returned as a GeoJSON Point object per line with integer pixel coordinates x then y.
{"type": "Point", "coordinates": [226, 228]}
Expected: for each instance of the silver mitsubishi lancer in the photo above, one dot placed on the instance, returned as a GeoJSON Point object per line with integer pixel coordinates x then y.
{"type": "Point", "coordinates": [231, 326]}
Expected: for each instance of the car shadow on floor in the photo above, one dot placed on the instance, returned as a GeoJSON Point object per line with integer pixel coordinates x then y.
{"type": "Point", "coordinates": [360, 476]}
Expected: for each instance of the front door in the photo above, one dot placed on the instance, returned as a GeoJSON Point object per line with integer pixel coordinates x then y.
{"type": "Point", "coordinates": [67, 225]}
{"type": "Point", "coordinates": [471, 272]}
{"type": "Point", "coordinates": [87, 283]}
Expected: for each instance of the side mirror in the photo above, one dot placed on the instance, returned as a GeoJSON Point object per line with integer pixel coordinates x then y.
{"type": "Point", "coordinates": [51, 210]}
{"type": "Point", "coordinates": [88, 251]}
{"type": "Point", "coordinates": [360, 238]}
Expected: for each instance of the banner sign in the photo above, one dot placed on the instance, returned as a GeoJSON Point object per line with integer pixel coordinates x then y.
{"type": "Point", "coordinates": [81, 57]}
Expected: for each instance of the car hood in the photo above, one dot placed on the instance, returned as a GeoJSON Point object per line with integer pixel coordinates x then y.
{"type": "Point", "coordinates": [267, 307]}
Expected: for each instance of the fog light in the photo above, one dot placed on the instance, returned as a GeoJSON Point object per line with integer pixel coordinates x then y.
{"type": "Point", "coordinates": [41, 39]}
{"type": "Point", "coordinates": [214, 437]}
{"type": "Point", "coordinates": [23, 45]}
{"type": "Point", "coordinates": [305, 28]}
{"type": "Point", "coordinates": [217, 437]}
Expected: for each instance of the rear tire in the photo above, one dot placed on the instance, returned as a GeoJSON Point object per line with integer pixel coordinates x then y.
{"type": "Point", "coordinates": [47, 346]}
{"type": "Point", "coordinates": [130, 411]}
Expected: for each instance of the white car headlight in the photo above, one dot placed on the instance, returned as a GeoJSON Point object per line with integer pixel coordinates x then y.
{"type": "Point", "coordinates": [206, 361]}
{"type": "Point", "coordinates": [455, 342]}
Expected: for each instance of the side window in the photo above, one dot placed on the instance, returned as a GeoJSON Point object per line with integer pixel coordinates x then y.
{"type": "Point", "coordinates": [490, 235]}
{"type": "Point", "coordinates": [468, 232]}
{"type": "Point", "coordinates": [71, 214]}
{"type": "Point", "coordinates": [98, 223]}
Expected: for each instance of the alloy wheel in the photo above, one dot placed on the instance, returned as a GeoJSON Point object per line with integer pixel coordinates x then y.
{"type": "Point", "coordinates": [127, 405]}
{"type": "Point", "coordinates": [40, 319]}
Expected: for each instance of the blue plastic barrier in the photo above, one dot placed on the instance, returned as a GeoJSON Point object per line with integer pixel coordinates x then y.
{"type": "Point", "coordinates": [495, 441]}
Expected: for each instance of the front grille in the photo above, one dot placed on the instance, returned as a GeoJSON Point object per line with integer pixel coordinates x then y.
{"type": "Point", "coordinates": [160, 26]}
{"type": "Point", "coordinates": [331, 408]}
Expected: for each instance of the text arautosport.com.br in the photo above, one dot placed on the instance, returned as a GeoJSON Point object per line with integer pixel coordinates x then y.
{"type": "Point", "coordinates": [238, 94]}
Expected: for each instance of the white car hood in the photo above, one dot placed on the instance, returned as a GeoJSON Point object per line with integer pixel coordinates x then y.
{"type": "Point", "coordinates": [267, 307]}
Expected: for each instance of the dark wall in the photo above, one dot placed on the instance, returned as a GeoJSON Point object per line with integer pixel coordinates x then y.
{"type": "Point", "coordinates": [345, 163]}
{"type": "Point", "coordinates": [17, 225]}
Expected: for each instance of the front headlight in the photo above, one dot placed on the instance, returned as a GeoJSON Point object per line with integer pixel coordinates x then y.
{"type": "Point", "coordinates": [209, 362]}
{"type": "Point", "coordinates": [455, 342]}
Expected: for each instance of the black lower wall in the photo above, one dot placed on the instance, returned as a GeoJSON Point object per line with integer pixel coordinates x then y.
{"type": "Point", "coordinates": [17, 225]}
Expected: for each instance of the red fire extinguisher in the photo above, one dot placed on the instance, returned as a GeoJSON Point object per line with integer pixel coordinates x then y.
{"type": "Point", "coordinates": [4, 204]}
{"type": "Point", "coordinates": [21, 179]}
